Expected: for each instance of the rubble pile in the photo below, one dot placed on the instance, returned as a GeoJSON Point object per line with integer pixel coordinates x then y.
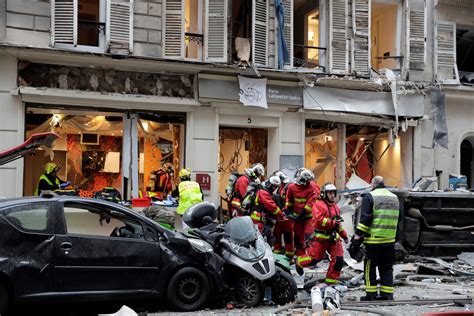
{"type": "Point", "coordinates": [423, 285]}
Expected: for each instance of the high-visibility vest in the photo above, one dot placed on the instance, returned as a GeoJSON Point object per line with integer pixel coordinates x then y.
{"type": "Point", "coordinates": [189, 194]}
{"type": "Point", "coordinates": [386, 211]}
{"type": "Point", "coordinates": [44, 177]}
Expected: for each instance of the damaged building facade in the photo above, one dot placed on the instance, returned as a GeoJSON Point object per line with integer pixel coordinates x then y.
{"type": "Point", "coordinates": [207, 84]}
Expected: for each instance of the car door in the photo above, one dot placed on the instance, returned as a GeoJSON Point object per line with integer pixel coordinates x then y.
{"type": "Point", "coordinates": [27, 235]}
{"type": "Point", "coordinates": [91, 256]}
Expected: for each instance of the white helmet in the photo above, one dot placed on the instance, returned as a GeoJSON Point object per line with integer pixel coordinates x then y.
{"type": "Point", "coordinates": [283, 177]}
{"type": "Point", "coordinates": [304, 176]}
{"type": "Point", "coordinates": [256, 171]}
{"type": "Point", "coordinates": [327, 187]}
{"type": "Point", "coordinates": [272, 183]}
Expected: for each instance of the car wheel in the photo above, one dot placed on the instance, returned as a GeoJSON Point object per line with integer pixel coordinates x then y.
{"type": "Point", "coordinates": [248, 290]}
{"type": "Point", "coordinates": [188, 289]}
{"type": "Point", "coordinates": [284, 287]}
{"type": "Point", "coordinates": [4, 299]}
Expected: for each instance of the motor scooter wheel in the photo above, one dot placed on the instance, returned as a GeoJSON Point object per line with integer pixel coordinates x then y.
{"type": "Point", "coordinates": [4, 299]}
{"type": "Point", "coordinates": [283, 287]}
{"type": "Point", "coordinates": [248, 290]}
{"type": "Point", "coordinates": [188, 289]}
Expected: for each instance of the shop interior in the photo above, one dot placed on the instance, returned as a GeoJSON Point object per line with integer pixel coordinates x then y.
{"type": "Point", "coordinates": [369, 151]}
{"type": "Point", "coordinates": [238, 149]}
{"type": "Point", "coordinates": [90, 152]}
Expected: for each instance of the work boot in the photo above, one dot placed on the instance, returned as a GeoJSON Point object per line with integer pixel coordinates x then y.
{"type": "Point", "coordinates": [369, 297]}
{"type": "Point", "coordinates": [385, 297]}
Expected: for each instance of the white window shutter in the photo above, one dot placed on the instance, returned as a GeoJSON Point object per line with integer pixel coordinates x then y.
{"type": "Point", "coordinates": [64, 22]}
{"type": "Point", "coordinates": [260, 32]}
{"type": "Point", "coordinates": [445, 50]}
{"type": "Point", "coordinates": [338, 43]}
{"type": "Point", "coordinates": [119, 25]}
{"type": "Point", "coordinates": [416, 36]}
{"type": "Point", "coordinates": [288, 31]}
{"type": "Point", "coordinates": [360, 53]}
{"type": "Point", "coordinates": [215, 37]}
{"type": "Point", "coordinates": [173, 34]}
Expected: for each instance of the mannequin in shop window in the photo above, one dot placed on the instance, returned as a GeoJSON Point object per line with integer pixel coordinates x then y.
{"type": "Point", "coordinates": [49, 180]}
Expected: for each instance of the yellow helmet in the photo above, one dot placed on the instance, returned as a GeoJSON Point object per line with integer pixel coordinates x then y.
{"type": "Point", "coordinates": [50, 167]}
{"type": "Point", "coordinates": [184, 173]}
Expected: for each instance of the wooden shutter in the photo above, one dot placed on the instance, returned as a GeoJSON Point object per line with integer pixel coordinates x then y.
{"type": "Point", "coordinates": [288, 31]}
{"type": "Point", "coordinates": [173, 42]}
{"type": "Point", "coordinates": [260, 32]}
{"type": "Point", "coordinates": [416, 36]}
{"type": "Point", "coordinates": [445, 50]}
{"type": "Point", "coordinates": [215, 38]}
{"type": "Point", "coordinates": [64, 22]}
{"type": "Point", "coordinates": [338, 44]}
{"type": "Point", "coordinates": [360, 57]}
{"type": "Point", "coordinates": [119, 26]}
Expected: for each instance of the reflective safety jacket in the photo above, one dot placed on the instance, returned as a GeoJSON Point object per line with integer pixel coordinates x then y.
{"type": "Point", "coordinates": [189, 194]}
{"type": "Point", "coordinates": [240, 191]}
{"type": "Point", "coordinates": [325, 226]}
{"type": "Point", "coordinates": [302, 197]}
{"type": "Point", "coordinates": [52, 185]}
{"type": "Point", "coordinates": [379, 216]}
{"type": "Point", "coordinates": [264, 203]}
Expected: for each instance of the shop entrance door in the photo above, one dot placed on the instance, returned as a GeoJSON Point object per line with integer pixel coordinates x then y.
{"type": "Point", "coordinates": [239, 148]}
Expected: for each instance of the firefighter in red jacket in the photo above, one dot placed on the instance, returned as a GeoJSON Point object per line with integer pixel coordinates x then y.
{"type": "Point", "coordinates": [283, 227]}
{"type": "Point", "coordinates": [252, 174]}
{"type": "Point", "coordinates": [327, 232]}
{"type": "Point", "coordinates": [265, 209]}
{"type": "Point", "coordinates": [300, 199]}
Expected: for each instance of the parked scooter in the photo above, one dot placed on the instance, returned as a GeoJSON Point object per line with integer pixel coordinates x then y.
{"type": "Point", "coordinates": [250, 265]}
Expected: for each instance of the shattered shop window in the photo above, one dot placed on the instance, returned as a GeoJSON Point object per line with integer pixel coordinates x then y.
{"type": "Point", "coordinates": [465, 52]}
{"type": "Point", "coordinates": [306, 34]}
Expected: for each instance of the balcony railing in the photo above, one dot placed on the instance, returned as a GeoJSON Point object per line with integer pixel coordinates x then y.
{"type": "Point", "coordinates": [194, 43]}
{"type": "Point", "coordinates": [89, 32]}
{"type": "Point", "coordinates": [307, 56]}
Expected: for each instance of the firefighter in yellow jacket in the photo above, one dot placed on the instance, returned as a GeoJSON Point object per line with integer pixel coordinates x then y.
{"type": "Point", "coordinates": [49, 180]}
{"type": "Point", "coordinates": [188, 192]}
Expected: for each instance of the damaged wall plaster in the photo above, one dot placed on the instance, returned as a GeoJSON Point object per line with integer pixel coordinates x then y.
{"type": "Point", "coordinates": [105, 80]}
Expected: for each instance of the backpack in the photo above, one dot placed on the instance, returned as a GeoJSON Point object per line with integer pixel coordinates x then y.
{"type": "Point", "coordinates": [248, 202]}
{"type": "Point", "coordinates": [109, 194]}
{"type": "Point", "coordinates": [230, 188]}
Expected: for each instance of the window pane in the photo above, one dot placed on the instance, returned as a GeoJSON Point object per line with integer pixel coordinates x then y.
{"type": "Point", "coordinates": [32, 220]}
{"type": "Point", "coordinates": [82, 221]}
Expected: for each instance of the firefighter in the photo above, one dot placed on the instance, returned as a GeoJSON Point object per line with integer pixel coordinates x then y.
{"type": "Point", "coordinates": [377, 229]}
{"type": "Point", "coordinates": [161, 181]}
{"type": "Point", "coordinates": [284, 227]}
{"type": "Point", "coordinates": [189, 193]}
{"type": "Point", "coordinates": [326, 238]}
{"type": "Point", "coordinates": [265, 210]}
{"type": "Point", "coordinates": [300, 198]}
{"type": "Point", "coordinates": [252, 174]}
{"type": "Point", "coordinates": [49, 180]}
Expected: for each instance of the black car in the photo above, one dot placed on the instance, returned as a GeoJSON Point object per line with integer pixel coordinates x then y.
{"type": "Point", "coordinates": [62, 248]}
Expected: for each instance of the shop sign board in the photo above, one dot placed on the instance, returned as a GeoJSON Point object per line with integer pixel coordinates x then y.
{"type": "Point", "coordinates": [229, 90]}
{"type": "Point", "coordinates": [204, 181]}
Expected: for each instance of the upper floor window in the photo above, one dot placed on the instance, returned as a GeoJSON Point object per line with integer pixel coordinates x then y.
{"type": "Point", "coordinates": [195, 30]}
{"type": "Point", "coordinates": [92, 25]}
{"type": "Point", "coordinates": [306, 34]}
{"type": "Point", "coordinates": [385, 48]}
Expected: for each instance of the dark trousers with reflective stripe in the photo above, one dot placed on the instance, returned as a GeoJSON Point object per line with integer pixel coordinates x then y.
{"type": "Point", "coordinates": [381, 257]}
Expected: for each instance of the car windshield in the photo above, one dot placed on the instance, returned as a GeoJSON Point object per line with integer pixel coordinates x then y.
{"type": "Point", "coordinates": [241, 230]}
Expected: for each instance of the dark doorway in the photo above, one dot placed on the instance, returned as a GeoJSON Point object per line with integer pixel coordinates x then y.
{"type": "Point", "coordinates": [467, 161]}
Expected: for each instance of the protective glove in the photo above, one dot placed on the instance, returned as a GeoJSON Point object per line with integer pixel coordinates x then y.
{"type": "Point", "coordinates": [288, 211]}
{"type": "Point", "coordinates": [338, 218]}
{"type": "Point", "coordinates": [355, 250]}
{"type": "Point", "coordinates": [346, 240]}
{"type": "Point", "coordinates": [302, 215]}
{"type": "Point", "coordinates": [65, 185]}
